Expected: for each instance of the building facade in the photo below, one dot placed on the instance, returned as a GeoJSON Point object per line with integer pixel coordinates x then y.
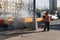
{"type": "Point", "coordinates": [52, 5]}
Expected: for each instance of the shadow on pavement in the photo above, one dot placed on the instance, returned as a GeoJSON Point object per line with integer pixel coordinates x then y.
{"type": "Point", "coordinates": [8, 34]}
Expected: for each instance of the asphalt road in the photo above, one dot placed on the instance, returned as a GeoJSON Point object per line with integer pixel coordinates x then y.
{"type": "Point", "coordinates": [54, 22]}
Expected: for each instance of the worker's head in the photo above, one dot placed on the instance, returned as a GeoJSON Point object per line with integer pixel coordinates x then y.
{"type": "Point", "coordinates": [46, 13]}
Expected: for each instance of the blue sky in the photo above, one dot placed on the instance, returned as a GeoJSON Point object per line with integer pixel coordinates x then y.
{"type": "Point", "coordinates": [58, 3]}
{"type": "Point", "coordinates": [41, 4]}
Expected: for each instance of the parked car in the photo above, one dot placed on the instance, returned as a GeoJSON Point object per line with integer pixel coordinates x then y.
{"type": "Point", "coordinates": [53, 17]}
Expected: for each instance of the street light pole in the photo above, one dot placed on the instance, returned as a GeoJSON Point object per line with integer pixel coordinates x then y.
{"type": "Point", "coordinates": [34, 18]}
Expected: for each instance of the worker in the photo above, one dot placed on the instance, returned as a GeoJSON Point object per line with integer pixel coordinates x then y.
{"type": "Point", "coordinates": [39, 15]}
{"type": "Point", "coordinates": [47, 21]}
{"type": "Point", "coordinates": [1, 24]}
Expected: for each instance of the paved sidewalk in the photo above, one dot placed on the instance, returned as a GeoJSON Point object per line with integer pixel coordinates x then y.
{"type": "Point", "coordinates": [51, 35]}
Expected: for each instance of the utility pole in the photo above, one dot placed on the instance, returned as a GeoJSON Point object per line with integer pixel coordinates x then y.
{"type": "Point", "coordinates": [34, 18]}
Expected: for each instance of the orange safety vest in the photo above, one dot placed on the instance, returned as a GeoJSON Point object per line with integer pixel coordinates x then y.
{"type": "Point", "coordinates": [47, 18]}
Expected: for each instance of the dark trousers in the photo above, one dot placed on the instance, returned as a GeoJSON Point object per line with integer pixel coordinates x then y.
{"type": "Point", "coordinates": [46, 26]}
